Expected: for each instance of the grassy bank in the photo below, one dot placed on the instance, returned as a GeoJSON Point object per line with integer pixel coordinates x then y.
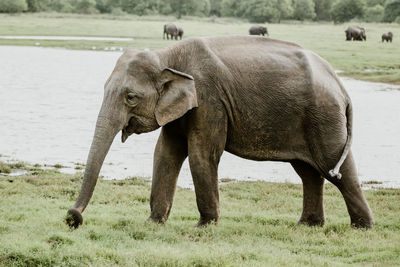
{"type": "Point", "coordinates": [371, 60]}
{"type": "Point", "coordinates": [257, 227]}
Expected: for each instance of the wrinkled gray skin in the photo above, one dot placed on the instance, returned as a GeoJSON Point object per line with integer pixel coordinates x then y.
{"type": "Point", "coordinates": [387, 37]}
{"type": "Point", "coordinates": [275, 101]}
{"type": "Point", "coordinates": [180, 32]}
{"type": "Point", "coordinates": [258, 30]}
{"type": "Point", "coordinates": [171, 29]}
{"type": "Point", "coordinates": [355, 33]}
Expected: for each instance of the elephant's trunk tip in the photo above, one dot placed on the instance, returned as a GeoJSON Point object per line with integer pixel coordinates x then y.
{"type": "Point", "coordinates": [74, 218]}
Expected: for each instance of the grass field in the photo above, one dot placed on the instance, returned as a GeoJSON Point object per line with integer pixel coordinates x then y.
{"type": "Point", "coordinates": [257, 226]}
{"type": "Point", "coordinates": [371, 60]}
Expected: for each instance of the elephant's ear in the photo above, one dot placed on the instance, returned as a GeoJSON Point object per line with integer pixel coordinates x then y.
{"type": "Point", "coordinates": [177, 96]}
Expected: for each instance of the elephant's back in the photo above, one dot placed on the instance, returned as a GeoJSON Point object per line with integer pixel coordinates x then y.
{"type": "Point", "coordinates": [170, 27]}
{"type": "Point", "coordinates": [261, 67]}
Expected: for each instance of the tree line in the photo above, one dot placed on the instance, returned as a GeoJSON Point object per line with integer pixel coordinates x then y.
{"type": "Point", "coordinates": [259, 11]}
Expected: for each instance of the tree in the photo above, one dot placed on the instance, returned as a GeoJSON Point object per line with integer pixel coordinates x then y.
{"type": "Point", "coordinates": [39, 5]}
{"type": "Point", "coordinates": [105, 6]}
{"type": "Point", "coordinates": [261, 11]}
{"type": "Point", "coordinates": [190, 7]}
{"type": "Point", "coordinates": [392, 10]}
{"type": "Point", "coordinates": [13, 6]}
{"type": "Point", "coordinates": [84, 6]}
{"type": "Point", "coordinates": [372, 3]}
{"type": "Point", "coordinates": [322, 9]}
{"type": "Point", "coordinates": [284, 8]}
{"type": "Point", "coordinates": [233, 8]}
{"type": "Point", "coordinates": [374, 14]}
{"type": "Point", "coordinates": [216, 7]}
{"type": "Point", "coordinates": [303, 9]}
{"type": "Point", "coordinates": [345, 10]}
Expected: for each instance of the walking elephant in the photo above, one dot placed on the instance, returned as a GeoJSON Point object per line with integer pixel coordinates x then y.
{"type": "Point", "coordinates": [355, 33]}
{"type": "Point", "coordinates": [172, 30]}
{"type": "Point", "coordinates": [387, 37]}
{"type": "Point", "coordinates": [255, 97]}
{"type": "Point", "coordinates": [258, 30]}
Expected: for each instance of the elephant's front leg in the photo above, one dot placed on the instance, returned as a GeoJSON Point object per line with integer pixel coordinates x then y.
{"type": "Point", "coordinates": [205, 149]}
{"type": "Point", "coordinates": [170, 152]}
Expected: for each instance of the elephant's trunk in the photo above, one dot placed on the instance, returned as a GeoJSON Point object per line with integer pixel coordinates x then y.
{"type": "Point", "coordinates": [106, 129]}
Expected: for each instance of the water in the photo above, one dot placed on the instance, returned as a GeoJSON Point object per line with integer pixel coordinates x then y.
{"type": "Point", "coordinates": [63, 38]}
{"type": "Point", "coordinates": [49, 100]}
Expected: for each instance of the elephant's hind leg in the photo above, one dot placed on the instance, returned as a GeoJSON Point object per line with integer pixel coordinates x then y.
{"type": "Point", "coordinates": [357, 206]}
{"type": "Point", "coordinates": [313, 187]}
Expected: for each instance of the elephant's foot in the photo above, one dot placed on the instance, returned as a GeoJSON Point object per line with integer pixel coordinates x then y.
{"type": "Point", "coordinates": [312, 220]}
{"type": "Point", "coordinates": [206, 221]}
{"type": "Point", "coordinates": [74, 218]}
{"type": "Point", "coordinates": [155, 221]}
{"type": "Point", "coordinates": [158, 218]}
{"type": "Point", "coordinates": [362, 222]}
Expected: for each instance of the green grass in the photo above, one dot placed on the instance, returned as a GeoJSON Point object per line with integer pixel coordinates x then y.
{"type": "Point", "coordinates": [381, 60]}
{"type": "Point", "coordinates": [257, 227]}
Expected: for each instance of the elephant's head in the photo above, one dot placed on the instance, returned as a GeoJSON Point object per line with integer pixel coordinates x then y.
{"type": "Point", "coordinates": [140, 96]}
{"type": "Point", "coordinates": [362, 34]}
{"type": "Point", "coordinates": [264, 30]}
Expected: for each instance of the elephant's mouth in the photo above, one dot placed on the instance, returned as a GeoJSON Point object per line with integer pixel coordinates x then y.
{"type": "Point", "coordinates": [138, 125]}
{"type": "Point", "coordinates": [124, 135]}
{"type": "Point", "coordinates": [127, 130]}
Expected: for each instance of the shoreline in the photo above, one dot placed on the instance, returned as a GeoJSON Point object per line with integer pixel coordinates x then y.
{"type": "Point", "coordinates": [19, 169]}
{"type": "Point", "coordinates": [85, 44]}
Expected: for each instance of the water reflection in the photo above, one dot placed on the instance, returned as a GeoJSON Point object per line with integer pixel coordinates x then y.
{"type": "Point", "coordinates": [49, 99]}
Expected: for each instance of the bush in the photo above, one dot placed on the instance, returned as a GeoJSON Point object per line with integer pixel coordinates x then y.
{"type": "Point", "coordinates": [117, 11]}
{"type": "Point", "coordinates": [13, 6]}
{"type": "Point", "coordinates": [40, 5]}
{"type": "Point", "coordinates": [106, 6]}
{"type": "Point", "coordinates": [85, 6]}
{"type": "Point", "coordinates": [374, 14]}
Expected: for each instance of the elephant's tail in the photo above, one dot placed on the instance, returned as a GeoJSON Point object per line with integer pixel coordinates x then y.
{"type": "Point", "coordinates": [334, 173]}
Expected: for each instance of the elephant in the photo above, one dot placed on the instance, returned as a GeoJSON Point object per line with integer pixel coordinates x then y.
{"type": "Point", "coordinates": [387, 37]}
{"type": "Point", "coordinates": [258, 30]}
{"type": "Point", "coordinates": [180, 32]}
{"type": "Point", "coordinates": [257, 98]}
{"type": "Point", "coordinates": [171, 29]}
{"type": "Point", "coordinates": [355, 33]}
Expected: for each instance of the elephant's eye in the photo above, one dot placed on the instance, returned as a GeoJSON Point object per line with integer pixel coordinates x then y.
{"type": "Point", "coordinates": [131, 100]}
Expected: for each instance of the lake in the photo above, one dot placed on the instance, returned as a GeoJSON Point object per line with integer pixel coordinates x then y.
{"type": "Point", "coordinates": [49, 100]}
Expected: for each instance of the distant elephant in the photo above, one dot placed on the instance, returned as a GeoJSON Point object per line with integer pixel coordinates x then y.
{"type": "Point", "coordinates": [258, 30]}
{"type": "Point", "coordinates": [180, 32]}
{"type": "Point", "coordinates": [387, 37]}
{"type": "Point", "coordinates": [171, 29]}
{"type": "Point", "coordinates": [255, 97]}
{"type": "Point", "coordinates": [355, 33]}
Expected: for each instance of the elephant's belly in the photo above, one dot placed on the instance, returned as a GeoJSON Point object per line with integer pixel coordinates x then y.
{"type": "Point", "coordinates": [267, 143]}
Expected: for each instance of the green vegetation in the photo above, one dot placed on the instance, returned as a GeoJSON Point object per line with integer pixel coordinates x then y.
{"type": "Point", "coordinates": [371, 60]}
{"type": "Point", "coordinates": [257, 227]}
{"type": "Point", "coordinates": [253, 10]}
{"type": "Point", "coordinates": [345, 10]}
{"type": "Point", "coordinates": [6, 168]}
{"type": "Point", "coordinates": [12, 6]}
